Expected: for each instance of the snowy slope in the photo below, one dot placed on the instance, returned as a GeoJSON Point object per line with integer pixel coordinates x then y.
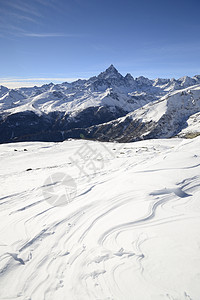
{"type": "Point", "coordinates": [193, 126]}
{"type": "Point", "coordinates": [172, 112]}
{"type": "Point", "coordinates": [109, 88]}
{"type": "Point", "coordinates": [131, 232]}
{"type": "Point", "coordinates": [171, 115]}
{"type": "Point", "coordinates": [61, 111]}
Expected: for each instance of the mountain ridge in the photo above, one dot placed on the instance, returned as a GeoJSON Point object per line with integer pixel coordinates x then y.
{"type": "Point", "coordinates": [55, 112]}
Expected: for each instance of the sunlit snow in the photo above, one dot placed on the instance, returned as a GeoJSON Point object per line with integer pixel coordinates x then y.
{"type": "Point", "coordinates": [131, 229]}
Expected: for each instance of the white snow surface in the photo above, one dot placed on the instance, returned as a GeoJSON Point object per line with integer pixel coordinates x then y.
{"type": "Point", "coordinates": [181, 102]}
{"type": "Point", "coordinates": [182, 106]}
{"type": "Point", "coordinates": [131, 232]}
{"type": "Point", "coordinates": [193, 125]}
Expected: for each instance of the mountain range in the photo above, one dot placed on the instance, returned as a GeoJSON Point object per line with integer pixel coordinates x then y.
{"type": "Point", "coordinates": [107, 107]}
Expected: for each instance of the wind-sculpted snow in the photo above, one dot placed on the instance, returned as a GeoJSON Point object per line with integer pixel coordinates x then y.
{"type": "Point", "coordinates": [130, 231]}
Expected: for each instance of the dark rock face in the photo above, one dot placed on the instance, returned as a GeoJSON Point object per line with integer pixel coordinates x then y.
{"type": "Point", "coordinates": [19, 126]}
{"type": "Point", "coordinates": [55, 126]}
{"type": "Point", "coordinates": [100, 108]}
{"type": "Point", "coordinates": [123, 132]}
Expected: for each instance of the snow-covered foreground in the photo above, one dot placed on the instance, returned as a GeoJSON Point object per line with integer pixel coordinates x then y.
{"type": "Point", "coordinates": [132, 232]}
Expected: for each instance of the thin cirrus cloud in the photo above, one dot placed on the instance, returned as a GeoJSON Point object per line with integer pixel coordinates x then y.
{"type": "Point", "coordinates": [15, 12]}
{"type": "Point", "coordinates": [22, 17]}
{"type": "Point", "coordinates": [35, 9]}
{"type": "Point", "coordinates": [43, 35]}
{"type": "Point", "coordinates": [29, 82]}
{"type": "Point", "coordinates": [12, 30]}
{"type": "Point", "coordinates": [25, 8]}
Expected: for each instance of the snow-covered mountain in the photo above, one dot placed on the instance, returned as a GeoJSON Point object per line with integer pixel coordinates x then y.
{"type": "Point", "coordinates": [171, 115]}
{"type": "Point", "coordinates": [55, 112]}
{"type": "Point", "coordinates": [84, 219]}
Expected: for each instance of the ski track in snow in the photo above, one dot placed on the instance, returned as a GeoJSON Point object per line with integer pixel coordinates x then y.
{"type": "Point", "coordinates": [132, 231]}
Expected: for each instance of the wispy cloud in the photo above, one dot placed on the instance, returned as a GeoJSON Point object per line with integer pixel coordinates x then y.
{"type": "Point", "coordinates": [24, 18]}
{"type": "Point", "coordinates": [24, 7]}
{"type": "Point", "coordinates": [48, 3]}
{"type": "Point", "coordinates": [16, 14]}
{"type": "Point", "coordinates": [43, 35]}
{"type": "Point", "coordinates": [38, 79]}
{"type": "Point", "coordinates": [29, 82]}
{"type": "Point", "coordinates": [12, 30]}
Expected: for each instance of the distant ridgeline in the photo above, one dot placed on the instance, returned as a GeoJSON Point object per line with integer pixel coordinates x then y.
{"type": "Point", "coordinates": [107, 107]}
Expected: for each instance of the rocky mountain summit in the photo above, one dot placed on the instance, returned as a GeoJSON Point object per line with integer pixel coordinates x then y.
{"type": "Point", "coordinates": [107, 107]}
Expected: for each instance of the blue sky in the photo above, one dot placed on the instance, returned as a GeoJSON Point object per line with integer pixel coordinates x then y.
{"type": "Point", "coordinates": [61, 40]}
